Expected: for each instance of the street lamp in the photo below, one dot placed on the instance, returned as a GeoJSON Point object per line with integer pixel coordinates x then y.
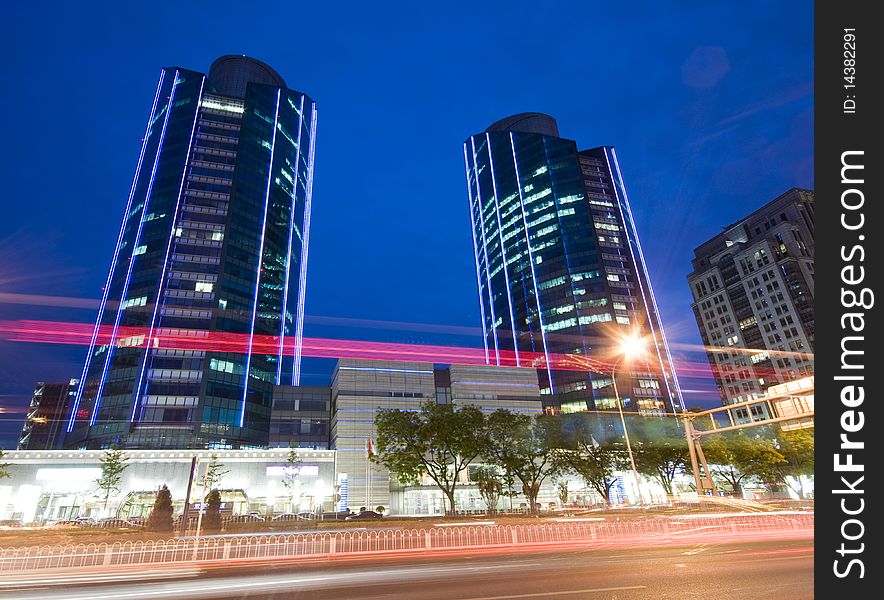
{"type": "Point", "coordinates": [630, 347]}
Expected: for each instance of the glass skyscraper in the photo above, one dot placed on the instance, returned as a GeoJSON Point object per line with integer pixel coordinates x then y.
{"type": "Point", "coordinates": [213, 241]}
{"type": "Point", "coordinates": [560, 268]}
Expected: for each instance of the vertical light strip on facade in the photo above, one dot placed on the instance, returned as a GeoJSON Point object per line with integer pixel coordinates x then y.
{"type": "Point", "coordinates": [153, 318]}
{"type": "Point", "coordinates": [305, 246]}
{"type": "Point", "coordinates": [565, 252]}
{"type": "Point", "coordinates": [110, 275]}
{"type": "Point", "coordinates": [485, 251]}
{"type": "Point", "coordinates": [630, 233]}
{"type": "Point", "coordinates": [506, 277]}
{"type": "Point", "coordinates": [288, 255]}
{"type": "Point", "coordinates": [531, 262]}
{"type": "Point", "coordinates": [476, 253]}
{"type": "Point", "coordinates": [245, 391]}
{"type": "Point", "coordinates": [110, 347]}
{"type": "Point", "coordinates": [644, 267]}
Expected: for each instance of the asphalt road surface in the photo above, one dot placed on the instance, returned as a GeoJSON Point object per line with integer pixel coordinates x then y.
{"type": "Point", "coordinates": [768, 569]}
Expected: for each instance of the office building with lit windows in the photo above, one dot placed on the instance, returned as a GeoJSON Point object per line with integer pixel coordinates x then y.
{"type": "Point", "coordinates": [213, 246]}
{"type": "Point", "coordinates": [560, 268]}
{"type": "Point", "coordinates": [46, 419]}
{"type": "Point", "coordinates": [752, 286]}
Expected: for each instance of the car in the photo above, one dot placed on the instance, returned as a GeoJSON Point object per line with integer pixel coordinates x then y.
{"type": "Point", "coordinates": [250, 518]}
{"type": "Point", "coordinates": [334, 516]}
{"type": "Point", "coordinates": [64, 523]}
{"type": "Point", "coordinates": [10, 523]}
{"type": "Point", "coordinates": [307, 516]}
{"type": "Point", "coordinates": [367, 515]}
{"type": "Point", "coordinates": [110, 523]}
{"type": "Point", "coordinates": [285, 517]}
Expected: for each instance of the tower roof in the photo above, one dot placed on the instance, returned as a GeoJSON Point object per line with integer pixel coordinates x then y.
{"type": "Point", "coordinates": [229, 75]}
{"type": "Point", "coordinates": [528, 122]}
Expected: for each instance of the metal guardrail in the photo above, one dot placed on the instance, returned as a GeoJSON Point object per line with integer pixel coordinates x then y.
{"type": "Point", "coordinates": [104, 555]}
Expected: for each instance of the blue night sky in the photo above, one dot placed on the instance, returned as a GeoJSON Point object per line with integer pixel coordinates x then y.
{"type": "Point", "coordinates": [710, 107]}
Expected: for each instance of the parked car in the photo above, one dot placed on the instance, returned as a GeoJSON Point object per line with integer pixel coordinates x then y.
{"type": "Point", "coordinates": [64, 523]}
{"type": "Point", "coordinates": [307, 516]}
{"type": "Point", "coordinates": [334, 516]}
{"type": "Point", "coordinates": [251, 518]}
{"type": "Point", "coordinates": [110, 523]}
{"type": "Point", "coordinates": [368, 515]}
{"type": "Point", "coordinates": [286, 517]}
{"type": "Point", "coordinates": [10, 523]}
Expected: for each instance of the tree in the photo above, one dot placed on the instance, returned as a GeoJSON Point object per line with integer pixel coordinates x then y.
{"type": "Point", "coordinates": [595, 463]}
{"type": "Point", "coordinates": [290, 475]}
{"type": "Point", "coordinates": [662, 456]}
{"type": "Point", "coordinates": [160, 518]}
{"type": "Point", "coordinates": [796, 446]}
{"type": "Point", "coordinates": [215, 472]}
{"type": "Point", "coordinates": [212, 516]}
{"type": "Point", "coordinates": [113, 463]}
{"type": "Point", "coordinates": [440, 440]}
{"type": "Point", "coordinates": [736, 458]}
{"type": "Point", "coordinates": [490, 485]}
{"type": "Point", "coordinates": [562, 490]}
{"type": "Point", "coordinates": [4, 467]}
{"type": "Point", "coordinates": [524, 447]}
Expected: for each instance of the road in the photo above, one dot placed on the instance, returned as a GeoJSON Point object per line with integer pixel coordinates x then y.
{"type": "Point", "coordinates": [768, 569]}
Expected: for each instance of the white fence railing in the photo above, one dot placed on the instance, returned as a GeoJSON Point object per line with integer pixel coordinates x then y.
{"type": "Point", "coordinates": [389, 540]}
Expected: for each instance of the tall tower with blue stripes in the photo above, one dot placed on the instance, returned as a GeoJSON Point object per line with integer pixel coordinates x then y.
{"type": "Point", "coordinates": [213, 249]}
{"type": "Point", "coordinates": [560, 269]}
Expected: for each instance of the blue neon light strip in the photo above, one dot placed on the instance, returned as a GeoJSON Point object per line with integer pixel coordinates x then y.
{"type": "Point", "coordinates": [245, 390]}
{"type": "Point", "coordinates": [288, 255]}
{"type": "Point", "coordinates": [305, 247]}
{"type": "Point", "coordinates": [564, 238]}
{"type": "Point", "coordinates": [531, 261]}
{"type": "Point", "coordinates": [148, 341]}
{"type": "Point", "coordinates": [506, 277]}
{"type": "Point", "coordinates": [110, 275]}
{"type": "Point", "coordinates": [476, 254]}
{"type": "Point", "coordinates": [644, 266]}
{"type": "Point", "coordinates": [110, 347]}
{"type": "Point", "coordinates": [485, 251]}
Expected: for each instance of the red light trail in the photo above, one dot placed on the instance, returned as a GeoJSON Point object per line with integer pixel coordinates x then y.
{"type": "Point", "coordinates": [55, 332]}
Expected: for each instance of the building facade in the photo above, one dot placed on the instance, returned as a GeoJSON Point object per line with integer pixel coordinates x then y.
{"type": "Point", "coordinates": [753, 289]}
{"type": "Point", "coordinates": [560, 268]}
{"type": "Point", "coordinates": [360, 388]}
{"type": "Point", "coordinates": [212, 250]}
{"type": "Point", "coordinates": [301, 417]}
{"type": "Point", "coordinates": [47, 416]}
{"type": "Point", "coordinates": [47, 485]}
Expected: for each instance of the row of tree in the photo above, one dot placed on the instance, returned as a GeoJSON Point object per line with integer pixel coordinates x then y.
{"type": "Point", "coordinates": [517, 450]}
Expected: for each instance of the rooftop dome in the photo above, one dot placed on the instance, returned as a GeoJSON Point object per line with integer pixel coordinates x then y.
{"type": "Point", "coordinates": [229, 75]}
{"type": "Point", "coordinates": [529, 122]}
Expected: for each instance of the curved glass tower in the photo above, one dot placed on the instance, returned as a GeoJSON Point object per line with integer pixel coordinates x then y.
{"type": "Point", "coordinates": [213, 245]}
{"type": "Point", "coordinates": [560, 268]}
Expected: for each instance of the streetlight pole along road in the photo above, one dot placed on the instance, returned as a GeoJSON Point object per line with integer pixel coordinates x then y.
{"type": "Point", "coordinates": [629, 347]}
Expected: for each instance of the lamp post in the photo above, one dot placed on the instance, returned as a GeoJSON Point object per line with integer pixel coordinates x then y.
{"type": "Point", "coordinates": [629, 347]}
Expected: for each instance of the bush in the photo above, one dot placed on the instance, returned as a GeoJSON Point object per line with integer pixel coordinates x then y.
{"type": "Point", "coordinates": [160, 518]}
{"type": "Point", "coordinates": [380, 509]}
{"type": "Point", "coordinates": [212, 516]}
